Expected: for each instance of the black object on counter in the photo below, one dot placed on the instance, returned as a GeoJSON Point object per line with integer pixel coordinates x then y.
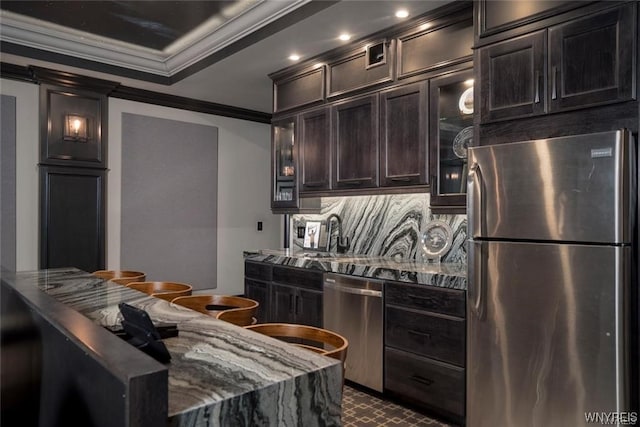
{"type": "Point", "coordinates": [142, 333]}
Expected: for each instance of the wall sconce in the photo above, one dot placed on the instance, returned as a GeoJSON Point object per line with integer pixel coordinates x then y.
{"type": "Point", "coordinates": [75, 128]}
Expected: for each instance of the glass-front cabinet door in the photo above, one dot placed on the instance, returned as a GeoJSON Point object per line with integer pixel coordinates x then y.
{"type": "Point", "coordinates": [451, 132]}
{"type": "Point", "coordinates": [284, 193]}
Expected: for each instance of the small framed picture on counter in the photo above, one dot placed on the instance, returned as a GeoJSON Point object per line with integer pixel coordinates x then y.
{"type": "Point", "coordinates": [314, 235]}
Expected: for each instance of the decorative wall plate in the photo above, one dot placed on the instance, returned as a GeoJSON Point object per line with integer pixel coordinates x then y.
{"type": "Point", "coordinates": [462, 141]}
{"type": "Point", "coordinates": [437, 238]}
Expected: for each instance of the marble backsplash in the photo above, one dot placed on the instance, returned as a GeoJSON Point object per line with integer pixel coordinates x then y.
{"type": "Point", "coordinates": [385, 225]}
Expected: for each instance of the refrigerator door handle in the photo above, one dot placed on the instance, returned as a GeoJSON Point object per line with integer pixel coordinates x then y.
{"type": "Point", "coordinates": [475, 280]}
{"type": "Point", "coordinates": [474, 200]}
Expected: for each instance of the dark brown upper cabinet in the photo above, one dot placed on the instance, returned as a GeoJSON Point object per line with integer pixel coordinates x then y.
{"type": "Point", "coordinates": [585, 62]}
{"type": "Point", "coordinates": [284, 189]}
{"type": "Point", "coordinates": [315, 150]}
{"type": "Point", "coordinates": [361, 68]}
{"type": "Point", "coordinates": [512, 78]}
{"type": "Point", "coordinates": [355, 143]}
{"type": "Point", "coordinates": [498, 16]}
{"type": "Point", "coordinates": [591, 60]}
{"type": "Point", "coordinates": [450, 134]}
{"type": "Point", "coordinates": [403, 136]}
{"type": "Point", "coordinates": [300, 89]}
{"type": "Point", "coordinates": [435, 45]}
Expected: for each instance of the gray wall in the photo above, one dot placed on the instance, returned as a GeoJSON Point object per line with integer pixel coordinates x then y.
{"type": "Point", "coordinates": [169, 200]}
{"type": "Point", "coordinates": [8, 182]}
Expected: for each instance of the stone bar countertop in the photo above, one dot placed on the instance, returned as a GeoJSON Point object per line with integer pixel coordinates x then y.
{"type": "Point", "coordinates": [219, 374]}
{"type": "Point", "coordinates": [453, 276]}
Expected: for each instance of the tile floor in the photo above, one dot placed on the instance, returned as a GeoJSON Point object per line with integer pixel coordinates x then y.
{"type": "Point", "coordinates": [360, 409]}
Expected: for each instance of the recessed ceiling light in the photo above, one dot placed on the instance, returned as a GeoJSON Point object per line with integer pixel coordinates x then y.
{"type": "Point", "coordinates": [344, 37]}
{"type": "Point", "coordinates": [294, 57]}
{"type": "Point", "coordinates": [402, 13]}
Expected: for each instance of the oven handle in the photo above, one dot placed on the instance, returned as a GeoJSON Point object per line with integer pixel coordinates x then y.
{"type": "Point", "coordinates": [356, 291]}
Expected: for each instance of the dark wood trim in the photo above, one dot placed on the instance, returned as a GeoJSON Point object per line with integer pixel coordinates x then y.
{"type": "Point", "coordinates": [16, 72]}
{"type": "Point", "coordinates": [190, 104]}
{"type": "Point", "coordinates": [591, 120]}
{"type": "Point", "coordinates": [71, 156]}
{"type": "Point", "coordinates": [74, 81]}
{"type": "Point", "coordinates": [367, 191]}
{"type": "Point", "coordinates": [113, 89]}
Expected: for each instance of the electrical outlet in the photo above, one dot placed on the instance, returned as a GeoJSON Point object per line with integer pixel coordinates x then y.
{"type": "Point", "coordinates": [259, 225]}
{"type": "Point", "coordinates": [300, 232]}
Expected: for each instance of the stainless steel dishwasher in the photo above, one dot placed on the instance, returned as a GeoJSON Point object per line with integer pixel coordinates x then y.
{"type": "Point", "coordinates": [353, 308]}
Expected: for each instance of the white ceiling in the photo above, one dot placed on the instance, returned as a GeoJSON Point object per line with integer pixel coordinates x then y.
{"type": "Point", "coordinates": [241, 79]}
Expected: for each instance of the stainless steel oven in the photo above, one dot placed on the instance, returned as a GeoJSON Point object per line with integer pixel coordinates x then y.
{"type": "Point", "coordinates": [353, 308]}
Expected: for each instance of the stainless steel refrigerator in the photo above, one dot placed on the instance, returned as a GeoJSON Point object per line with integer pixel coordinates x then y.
{"type": "Point", "coordinates": [550, 275]}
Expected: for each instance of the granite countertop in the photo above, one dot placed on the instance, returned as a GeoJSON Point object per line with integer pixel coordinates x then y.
{"type": "Point", "coordinates": [220, 374]}
{"type": "Point", "coordinates": [453, 276]}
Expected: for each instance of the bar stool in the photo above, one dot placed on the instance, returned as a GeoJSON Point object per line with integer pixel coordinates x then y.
{"type": "Point", "coordinates": [314, 339]}
{"type": "Point", "coordinates": [121, 277]}
{"type": "Point", "coordinates": [164, 290]}
{"type": "Point", "coordinates": [237, 310]}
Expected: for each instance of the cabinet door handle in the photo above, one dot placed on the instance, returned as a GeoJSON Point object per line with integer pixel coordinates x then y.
{"type": "Point", "coordinates": [421, 380]}
{"type": "Point", "coordinates": [537, 98]}
{"type": "Point", "coordinates": [420, 334]}
{"type": "Point", "coordinates": [291, 308]}
{"type": "Point", "coordinates": [418, 297]}
{"type": "Point", "coordinates": [554, 82]}
{"type": "Point", "coordinates": [297, 305]}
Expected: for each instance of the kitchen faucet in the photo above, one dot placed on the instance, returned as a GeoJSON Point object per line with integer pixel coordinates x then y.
{"type": "Point", "coordinates": [343, 242]}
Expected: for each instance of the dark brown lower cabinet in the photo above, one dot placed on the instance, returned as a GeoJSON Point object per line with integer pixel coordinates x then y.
{"type": "Point", "coordinates": [291, 304]}
{"type": "Point", "coordinates": [301, 289]}
{"type": "Point", "coordinates": [257, 286]}
{"type": "Point", "coordinates": [72, 217]}
{"type": "Point", "coordinates": [424, 355]}
{"type": "Point", "coordinates": [258, 290]}
{"type": "Point", "coordinates": [285, 294]}
{"type": "Point", "coordinates": [438, 386]}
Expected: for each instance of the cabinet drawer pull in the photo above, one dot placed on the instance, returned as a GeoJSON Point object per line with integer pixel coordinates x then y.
{"type": "Point", "coordinates": [398, 179]}
{"type": "Point", "coordinates": [419, 297]}
{"type": "Point", "coordinates": [420, 334]}
{"type": "Point", "coordinates": [421, 380]}
{"type": "Point", "coordinates": [313, 184]}
{"type": "Point", "coordinates": [354, 183]}
{"type": "Point", "coordinates": [554, 82]}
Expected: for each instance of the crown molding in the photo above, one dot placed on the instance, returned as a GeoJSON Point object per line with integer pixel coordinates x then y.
{"type": "Point", "coordinates": [206, 40]}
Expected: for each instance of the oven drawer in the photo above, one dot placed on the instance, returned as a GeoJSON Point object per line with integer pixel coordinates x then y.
{"type": "Point", "coordinates": [425, 382]}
